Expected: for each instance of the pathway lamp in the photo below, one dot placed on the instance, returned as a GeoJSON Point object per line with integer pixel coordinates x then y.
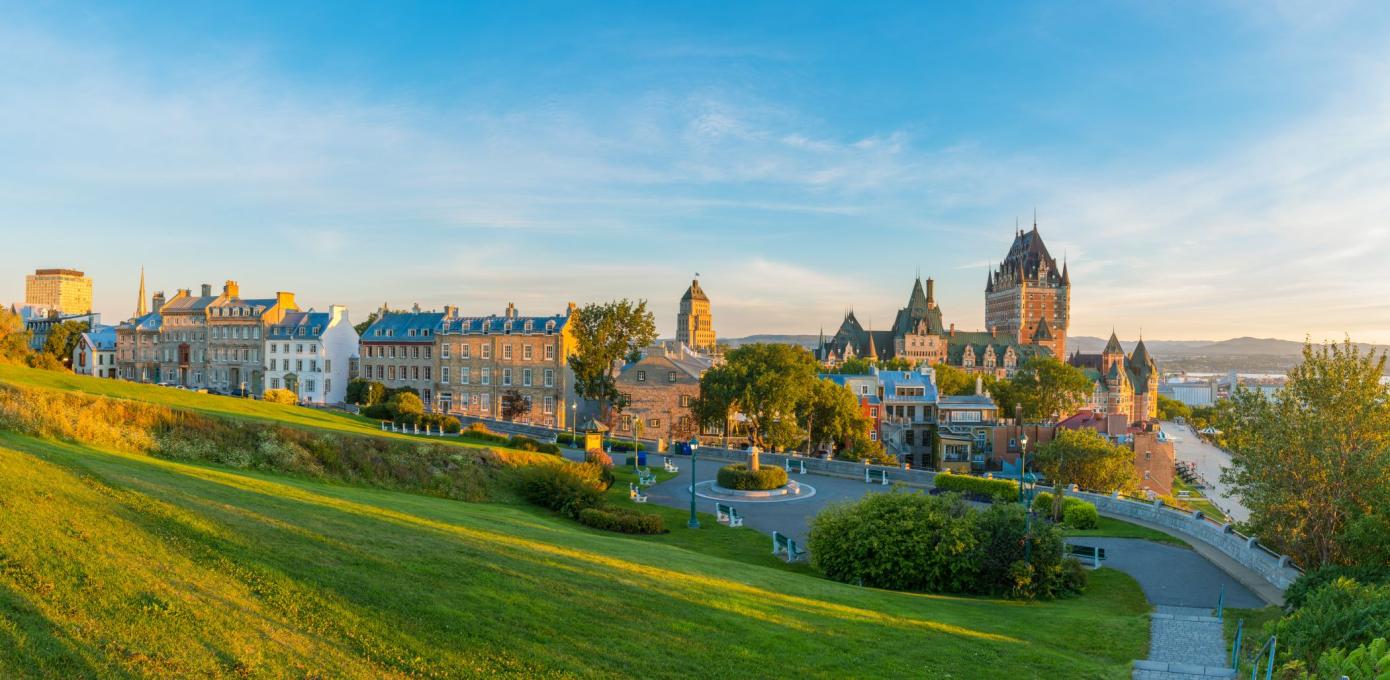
{"type": "Point", "coordinates": [694, 447]}
{"type": "Point", "coordinates": [574, 424]}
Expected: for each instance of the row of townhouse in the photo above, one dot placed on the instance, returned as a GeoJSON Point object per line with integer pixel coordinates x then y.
{"type": "Point", "coordinates": [468, 365]}
{"type": "Point", "coordinates": [230, 344]}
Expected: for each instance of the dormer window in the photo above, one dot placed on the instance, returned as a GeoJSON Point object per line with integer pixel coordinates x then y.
{"type": "Point", "coordinates": [550, 327]}
{"type": "Point", "coordinates": [529, 326]}
{"type": "Point", "coordinates": [410, 332]}
{"type": "Point", "coordinates": [377, 332]}
{"type": "Point", "coordinates": [507, 327]}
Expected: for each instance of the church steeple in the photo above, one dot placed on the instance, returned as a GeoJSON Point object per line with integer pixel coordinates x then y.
{"type": "Point", "coordinates": [140, 309]}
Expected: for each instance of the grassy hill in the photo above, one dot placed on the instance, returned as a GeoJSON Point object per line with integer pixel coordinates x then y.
{"type": "Point", "coordinates": [118, 564]}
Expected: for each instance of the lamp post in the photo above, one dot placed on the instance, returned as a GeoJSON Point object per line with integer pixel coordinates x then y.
{"type": "Point", "coordinates": [574, 424]}
{"type": "Point", "coordinates": [694, 447]}
{"type": "Point", "coordinates": [1022, 466]}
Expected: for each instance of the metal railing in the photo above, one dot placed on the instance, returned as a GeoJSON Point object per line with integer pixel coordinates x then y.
{"type": "Point", "coordinates": [1271, 644]}
{"type": "Point", "coordinates": [1235, 646]}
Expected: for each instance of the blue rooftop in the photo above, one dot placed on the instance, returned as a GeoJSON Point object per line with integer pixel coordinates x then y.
{"type": "Point", "coordinates": [404, 327]}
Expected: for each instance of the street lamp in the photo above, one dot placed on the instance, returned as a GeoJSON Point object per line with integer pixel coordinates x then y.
{"type": "Point", "coordinates": [1022, 465]}
{"type": "Point", "coordinates": [694, 447]}
{"type": "Point", "coordinates": [574, 424]}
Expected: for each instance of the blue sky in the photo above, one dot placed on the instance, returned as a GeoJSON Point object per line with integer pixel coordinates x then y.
{"type": "Point", "coordinates": [1209, 169]}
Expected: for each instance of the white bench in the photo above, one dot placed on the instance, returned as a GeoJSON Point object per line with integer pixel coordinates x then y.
{"type": "Point", "coordinates": [727, 514]}
{"type": "Point", "coordinates": [670, 467]}
{"type": "Point", "coordinates": [645, 477]}
{"type": "Point", "coordinates": [872, 476]}
{"type": "Point", "coordinates": [799, 469]}
{"type": "Point", "coordinates": [783, 545]}
{"type": "Point", "coordinates": [635, 493]}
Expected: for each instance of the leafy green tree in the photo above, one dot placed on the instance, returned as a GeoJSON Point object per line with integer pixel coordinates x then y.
{"type": "Point", "coordinates": [1172, 409]}
{"type": "Point", "coordinates": [1049, 389]}
{"type": "Point", "coordinates": [606, 334]}
{"type": "Point", "coordinates": [63, 338]}
{"type": "Point", "coordinates": [1087, 459]}
{"type": "Point", "coordinates": [953, 381]}
{"type": "Point", "coordinates": [405, 406]}
{"type": "Point", "coordinates": [361, 328]}
{"type": "Point", "coordinates": [14, 339]}
{"type": "Point", "coordinates": [1313, 460]}
{"type": "Point", "coordinates": [768, 384]}
{"type": "Point", "coordinates": [853, 366]}
{"type": "Point", "coordinates": [365, 392]}
{"type": "Point", "coordinates": [896, 364]}
{"type": "Point", "coordinates": [832, 413]}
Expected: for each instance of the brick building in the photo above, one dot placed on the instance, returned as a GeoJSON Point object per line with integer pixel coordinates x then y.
{"type": "Point", "coordinates": [1028, 298]}
{"type": "Point", "coordinates": [1124, 384]}
{"type": "Point", "coordinates": [483, 359]}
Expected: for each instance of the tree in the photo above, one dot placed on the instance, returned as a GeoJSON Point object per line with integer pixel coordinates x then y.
{"type": "Point", "coordinates": [63, 338]}
{"type": "Point", "coordinates": [953, 381]}
{"type": "Point", "coordinates": [1087, 459]}
{"type": "Point", "coordinates": [768, 384]}
{"type": "Point", "coordinates": [896, 364]}
{"type": "Point", "coordinates": [1049, 389]}
{"type": "Point", "coordinates": [14, 339]}
{"type": "Point", "coordinates": [605, 334]}
{"type": "Point", "coordinates": [853, 366]}
{"type": "Point", "coordinates": [514, 405]}
{"type": "Point", "coordinates": [365, 392]}
{"type": "Point", "coordinates": [1172, 409]}
{"type": "Point", "coordinates": [280, 397]}
{"type": "Point", "coordinates": [361, 328]}
{"type": "Point", "coordinates": [1313, 460]}
{"type": "Point", "coordinates": [832, 413]}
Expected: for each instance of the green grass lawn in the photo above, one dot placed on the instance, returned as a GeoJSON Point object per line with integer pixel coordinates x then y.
{"type": "Point", "coordinates": [1110, 527]}
{"type": "Point", "coordinates": [1252, 635]}
{"type": "Point", "coordinates": [121, 565]}
{"type": "Point", "coordinates": [1197, 501]}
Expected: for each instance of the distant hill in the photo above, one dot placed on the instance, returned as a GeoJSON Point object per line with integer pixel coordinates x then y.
{"type": "Point", "coordinates": [807, 341]}
{"type": "Point", "coordinates": [1235, 347]}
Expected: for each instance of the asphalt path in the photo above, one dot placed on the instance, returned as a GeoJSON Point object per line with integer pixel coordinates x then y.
{"type": "Point", "coordinates": [1169, 575]}
{"type": "Point", "coordinates": [1210, 461]}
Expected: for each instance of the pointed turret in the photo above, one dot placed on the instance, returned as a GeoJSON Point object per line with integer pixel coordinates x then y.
{"type": "Point", "coordinates": [140, 309]}
{"type": "Point", "coordinates": [1113, 347]}
{"type": "Point", "coordinates": [1066, 277]}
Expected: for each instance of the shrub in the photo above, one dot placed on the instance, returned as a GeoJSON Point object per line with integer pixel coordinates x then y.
{"type": "Point", "coordinates": [898, 540]}
{"type": "Point", "coordinates": [1080, 515]}
{"type": "Point", "coordinates": [1338, 615]}
{"type": "Point", "coordinates": [565, 488]}
{"type": "Point", "coordinates": [480, 432]}
{"type": "Point", "coordinates": [405, 407]}
{"type": "Point", "coordinates": [624, 447]}
{"type": "Point", "coordinates": [440, 421]}
{"type": "Point", "coordinates": [738, 476]}
{"type": "Point", "coordinates": [1002, 532]}
{"type": "Point", "coordinates": [599, 458]}
{"type": "Point", "coordinates": [365, 392]}
{"type": "Point", "coordinates": [1366, 662]}
{"type": "Point", "coordinates": [622, 520]}
{"type": "Point", "coordinates": [280, 397]}
{"type": "Point", "coordinates": [377, 411]}
{"type": "Point", "coordinates": [1313, 579]}
{"type": "Point", "coordinates": [1001, 489]}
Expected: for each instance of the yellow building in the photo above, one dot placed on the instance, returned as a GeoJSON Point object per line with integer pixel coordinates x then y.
{"type": "Point", "coordinates": [67, 290]}
{"type": "Point", "coordinates": [694, 322]}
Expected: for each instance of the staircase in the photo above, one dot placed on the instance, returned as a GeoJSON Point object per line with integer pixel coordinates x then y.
{"type": "Point", "coordinates": [1185, 643]}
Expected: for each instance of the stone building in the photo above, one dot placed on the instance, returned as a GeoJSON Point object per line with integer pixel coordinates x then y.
{"type": "Point", "coordinates": [481, 360]}
{"type": "Point", "coordinates": [1126, 385]}
{"type": "Point", "coordinates": [660, 388]}
{"type": "Point", "coordinates": [694, 322]}
{"type": "Point", "coordinates": [236, 338]}
{"type": "Point", "coordinates": [311, 354]}
{"type": "Point", "coordinates": [397, 350]}
{"type": "Point", "coordinates": [67, 291]}
{"type": "Point", "coordinates": [1028, 298]}
{"type": "Point", "coordinates": [183, 338]}
{"type": "Point", "coordinates": [137, 341]}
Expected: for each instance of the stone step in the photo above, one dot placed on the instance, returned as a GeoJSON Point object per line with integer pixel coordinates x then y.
{"type": "Point", "coordinates": [1164, 670]}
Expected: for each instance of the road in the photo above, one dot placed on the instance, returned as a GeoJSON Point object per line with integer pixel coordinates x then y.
{"type": "Point", "coordinates": [1210, 462]}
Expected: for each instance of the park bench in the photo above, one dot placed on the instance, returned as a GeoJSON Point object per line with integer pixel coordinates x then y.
{"type": "Point", "coordinates": [635, 493]}
{"type": "Point", "coordinates": [1086, 552]}
{"type": "Point", "coordinates": [670, 467]}
{"type": "Point", "coordinates": [645, 477]}
{"type": "Point", "coordinates": [872, 476]}
{"type": "Point", "coordinates": [786, 545]}
{"type": "Point", "coordinates": [727, 514]}
{"type": "Point", "coordinates": [799, 468]}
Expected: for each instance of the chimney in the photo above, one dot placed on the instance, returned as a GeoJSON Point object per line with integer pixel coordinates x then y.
{"type": "Point", "coordinates": [230, 289]}
{"type": "Point", "coordinates": [511, 310]}
{"type": "Point", "coordinates": [450, 311]}
{"type": "Point", "coordinates": [285, 301]}
{"type": "Point", "coordinates": [157, 302]}
{"type": "Point", "coordinates": [931, 289]}
{"type": "Point", "coordinates": [415, 308]}
{"type": "Point", "coordinates": [336, 312]}
{"type": "Point", "coordinates": [207, 290]}
{"type": "Point", "coordinates": [569, 311]}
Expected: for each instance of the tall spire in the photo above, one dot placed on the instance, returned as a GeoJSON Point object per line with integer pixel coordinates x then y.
{"type": "Point", "coordinates": [140, 309]}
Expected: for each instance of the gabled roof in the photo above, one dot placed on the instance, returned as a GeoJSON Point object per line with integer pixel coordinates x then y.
{"type": "Point", "coordinates": [102, 338]}
{"type": "Point", "coordinates": [980, 341]}
{"type": "Point", "coordinates": [149, 322]}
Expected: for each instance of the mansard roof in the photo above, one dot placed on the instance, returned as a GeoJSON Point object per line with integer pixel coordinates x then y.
{"type": "Point", "coordinates": [308, 325]}
{"type": "Point", "coordinates": [1026, 261]}
{"type": "Point", "coordinates": [980, 341]}
{"type": "Point", "coordinates": [694, 292]}
{"type": "Point", "coordinates": [403, 327]}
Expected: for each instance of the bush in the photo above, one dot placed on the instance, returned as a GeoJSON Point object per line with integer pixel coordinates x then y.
{"type": "Point", "coordinates": [1341, 614]}
{"type": "Point", "coordinates": [1080, 515]}
{"type": "Point", "coordinates": [1002, 531]}
{"type": "Point", "coordinates": [1366, 662]}
{"type": "Point", "coordinates": [599, 458]}
{"type": "Point", "coordinates": [377, 411]}
{"type": "Point", "coordinates": [1299, 590]}
{"type": "Point", "coordinates": [624, 447]}
{"type": "Point", "coordinates": [738, 476]}
{"type": "Point", "coordinates": [405, 407]}
{"type": "Point", "coordinates": [1000, 489]}
{"type": "Point", "coordinates": [280, 397]}
{"type": "Point", "coordinates": [861, 448]}
{"type": "Point", "coordinates": [622, 520]}
{"type": "Point", "coordinates": [898, 540]}
{"type": "Point", "coordinates": [365, 392]}
{"type": "Point", "coordinates": [567, 489]}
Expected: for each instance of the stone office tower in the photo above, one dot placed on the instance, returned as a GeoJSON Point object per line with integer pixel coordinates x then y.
{"type": "Point", "coordinates": [694, 323]}
{"type": "Point", "coordinates": [1028, 298]}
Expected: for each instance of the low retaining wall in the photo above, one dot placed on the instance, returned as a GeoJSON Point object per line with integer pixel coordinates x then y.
{"type": "Point", "coordinates": [1273, 567]}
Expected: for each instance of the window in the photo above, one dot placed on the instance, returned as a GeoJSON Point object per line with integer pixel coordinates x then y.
{"type": "Point", "coordinates": [446, 401]}
{"type": "Point", "coordinates": [653, 423]}
{"type": "Point", "coordinates": [463, 374]}
{"type": "Point", "coordinates": [444, 374]}
{"type": "Point", "coordinates": [415, 352]}
{"type": "Point", "coordinates": [299, 364]}
{"type": "Point", "coordinates": [378, 373]}
{"type": "Point", "coordinates": [685, 400]}
{"type": "Point", "coordinates": [414, 372]}
{"type": "Point", "coordinates": [428, 371]}
{"type": "Point", "coordinates": [313, 348]}
{"type": "Point", "coordinates": [313, 365]}
{"type": "Point", "coordinates": [549, 377]}
{"type": "Point", "coordinates": [429, 349]}
{"type": "Point", "coordinates": [526, 352]}
{"type": "Point", "coordinates": [507, 352]}
{"type": "Point", "coordinates": [485, 351]}
{"type": "Point", "coordinates": [548, 405]}
{"type": "Point", "coordinates": [550, 352]}
{"type": "Point", "coordinates": [670, 376]}
{"type": "Point", "coordinates": [274, 383]}
{"type": "Point", "coordinates": [393, 351]}
{"type": "Point", "coordinates": [506, 377]}
{"type": "Point", "coordinates": [444, 351]}
{"type": "Point", "coordinates": [486, 403]}
{"type": "Point", "coordinates": [641, 376]}
{"type": "Point", "coordinates": [486, 376]}
{"type": "Point", "coordinates": [525, 377]}
{"type": "Point", "coordinates": [390, 372]}
{"type": "Point", "coordinates": [309, 385]}
{"type": "Point", "coordinates": [465, 351]}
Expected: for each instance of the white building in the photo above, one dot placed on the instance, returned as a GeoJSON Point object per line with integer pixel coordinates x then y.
{"type": "Point", "coordinates": [310, 353]}
{"type": "Point", "coordinates": [95, 353]}
{"type": "Point", "coordinates": [1190, 393]}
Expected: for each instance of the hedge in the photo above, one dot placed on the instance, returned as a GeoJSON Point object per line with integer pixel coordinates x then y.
{"type": "Point", "coordinates": [1001, 489]}
{"type": "Point", "coordinates": [567, 489]}
{"type": "Point", "coordinates": [622, 520]}
{"type": "Point", "coordinates": [738, 476]}
{"type": "Point", "coordinates": [1080, 515]}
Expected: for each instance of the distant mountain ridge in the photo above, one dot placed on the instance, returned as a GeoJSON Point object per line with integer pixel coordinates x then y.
{"type": "Point", "coordinates": [1086, 344]}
